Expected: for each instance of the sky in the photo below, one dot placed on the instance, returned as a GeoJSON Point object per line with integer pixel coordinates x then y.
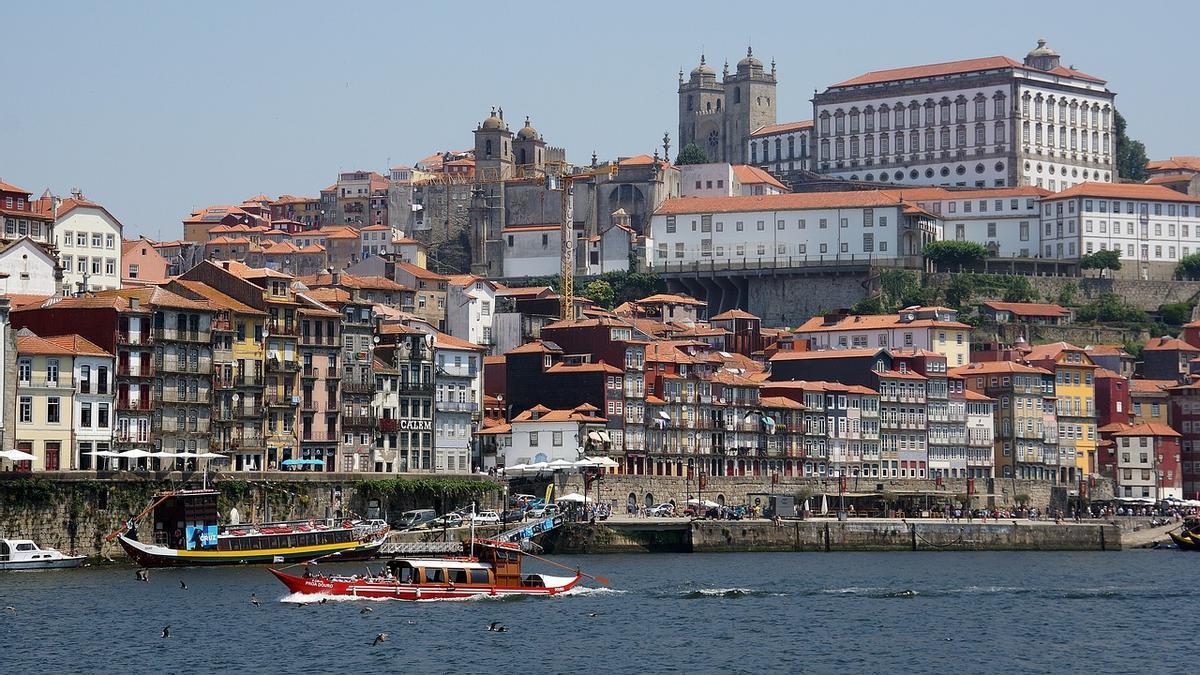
{"type": "Point", "coordinates": [156, 109]}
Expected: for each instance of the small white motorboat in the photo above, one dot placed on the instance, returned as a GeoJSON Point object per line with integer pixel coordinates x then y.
{"type": "Point", "coordinates": [23, 554]}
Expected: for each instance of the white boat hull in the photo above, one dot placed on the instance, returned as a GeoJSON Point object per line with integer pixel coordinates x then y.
{"type": "Point", "coordinates": [66, 562]}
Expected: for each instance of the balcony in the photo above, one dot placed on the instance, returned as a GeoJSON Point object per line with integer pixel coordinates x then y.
{"type": "Point", "coordinates": [319, 436]}
{"type": "Point", "coordinates": [358, 421]}
{"type": "Point", "coordinates": [174, 396]}
{"type": "Point", "coordinates": [202, 367]}
{"type": "Point", "coordinates": [457, 406]}
{"type": "Point", "coordinates": [452, 370]}
{"type": "Point", "coordinates": [245, 439]}
{"type": "Point", "coordinates": [285, 399]}
{"type": "Point", "coordinates": [142, 405]}
{"type": "Point", "coordinates": [125, 370]}
{"type": "Point", "coordinates": [249, 380]}
{"type": "Point", "coordinates": [308, 405]}
{"type": "Point", "coordinates": [283, 328]}
{"type": "Point", "coordinates": [133, 339]}
{"type": "Point", "coordinates": [131, 436]}
{"type": "Point", "coordinates": [388, 424]}
{"type": "Point", "coordinates": [349, 387]}
{"type": "Point", "coordinates": [309, 340]}
{"type": "Point", "coordinates": [249, 410]}
{"type": "Point", "coordinates": [63, 381]}
{"type": "Point", "coordinates": [405, 387]}
{"type": "Point", "coordinates": [310, 373]}
{"type": "Point", "coordinates": [172, 425]}
{"type": "Point", "coordinates": [177, 335]}
{"type": "Point", "coordinates": [282, 365]}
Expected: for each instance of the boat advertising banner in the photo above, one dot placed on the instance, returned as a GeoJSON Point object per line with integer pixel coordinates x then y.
{"type": "Point", "coordinates": [201, 536]}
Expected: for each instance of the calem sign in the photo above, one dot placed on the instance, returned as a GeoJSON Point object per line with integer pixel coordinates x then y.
{"type": "Point", "coordinates": [414, 425]}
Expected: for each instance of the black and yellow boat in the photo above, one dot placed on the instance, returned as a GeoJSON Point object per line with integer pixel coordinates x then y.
{"type": "Point", "coordinates": [1188, 537]}
{"type": "Point", "coordinates": [185, 532]}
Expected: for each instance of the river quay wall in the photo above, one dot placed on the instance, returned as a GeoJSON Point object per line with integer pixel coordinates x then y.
{"type": "Point", "coordinates": [827, 535]}
{"type": "Point", "coordinates": [76, 511]}
{"type": "Point", "coordinates": [620, 490]}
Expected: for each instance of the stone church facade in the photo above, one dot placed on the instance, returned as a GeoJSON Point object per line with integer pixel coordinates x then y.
{"type": "Point", "coordinates": [720, 116]}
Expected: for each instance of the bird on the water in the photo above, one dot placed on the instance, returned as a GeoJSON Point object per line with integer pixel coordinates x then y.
{"type": "Point", "coordinates": [382, 637]}
{"type": "Point", "coordinates": [10, 608]}
{"type": "Point", "coordinates": [497, 627]}
{"type": "Point", "coordinates": [166, 631]}
{"type": "Point", "coordinates": [142, 574]}
{"type": "Point", "coordinates": [323, 601]}
{"type": "Point", "coordinates": [364, 610]}
{"type": "Point", "coordinates": [182, 584]}
{"type": "Point", "coordinates": [254, 600]}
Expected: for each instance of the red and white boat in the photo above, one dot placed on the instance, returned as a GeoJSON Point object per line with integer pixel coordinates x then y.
{"type": "Point", "coordinates": [495, 571]}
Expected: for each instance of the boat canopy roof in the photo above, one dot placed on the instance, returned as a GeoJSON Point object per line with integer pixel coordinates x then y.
{"type": "Point", "coordinates": [440, 562]}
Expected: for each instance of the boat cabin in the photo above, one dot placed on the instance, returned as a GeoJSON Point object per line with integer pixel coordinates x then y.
{"type": "Point", "coordinates": [186, 519]}
{"type": "Point", "coordinates": [498, 564]}
{"type": "Point", "coordinates": [21, 549]}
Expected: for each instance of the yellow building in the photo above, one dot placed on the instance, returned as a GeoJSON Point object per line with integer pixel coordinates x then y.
{"type": "Point", "coordinates": [46, 388]}
{"type": "Point", "coordinates": [1148, 401]}
{"type": "Point", "coordinates": [1075, 390]}
{"type": "Point", "coordinates": [238, 360]}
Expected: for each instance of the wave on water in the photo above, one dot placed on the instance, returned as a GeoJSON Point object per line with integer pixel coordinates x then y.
{"type": "Point", "coordinates": [728, 593]}
{"type": "Point", "coordinates": [313, 598]}
{"type": "Point", "coordinates": [588, 590]}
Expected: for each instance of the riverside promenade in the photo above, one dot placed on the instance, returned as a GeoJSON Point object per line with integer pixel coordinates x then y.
{"type": "Point", "coordinates": [627, 535]}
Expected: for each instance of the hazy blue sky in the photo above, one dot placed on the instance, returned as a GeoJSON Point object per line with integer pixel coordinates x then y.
{"type": "Point", "coordinates": [157, 108]}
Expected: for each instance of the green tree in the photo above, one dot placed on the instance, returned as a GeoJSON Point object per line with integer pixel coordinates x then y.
{"type": "Point", "coordinates": [1188, 267]}
{"type": "Point", "coordinates": [1019, 289]}
{"type": "Point", "coordinates": [1175, 313]}
{"type": "Point", "coordinates": [691, 154]}
{"type": "Point", "coordinates": [600, 292]}
{"type": "Point", "coordinates": [952, 254]}
{"type": "Point", "coordinates": [1131, 154]}
{"type": "Point", "coordinates": [1109, 308]}
{"type": "Point", "coordinates": [960, 290]}
{"type": "Point", "coordinates": [1108, 259]}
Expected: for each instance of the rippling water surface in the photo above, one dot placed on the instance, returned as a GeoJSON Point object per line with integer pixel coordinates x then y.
{"type": "Point", "coordinates": [779, 612]}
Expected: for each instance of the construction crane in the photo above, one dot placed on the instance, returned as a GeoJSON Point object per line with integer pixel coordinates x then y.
{"type": "Point", "coordinates": [566, 185]}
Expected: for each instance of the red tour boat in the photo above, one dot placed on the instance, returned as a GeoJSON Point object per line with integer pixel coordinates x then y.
{"type": "Point", "coordinates": [495, 571]}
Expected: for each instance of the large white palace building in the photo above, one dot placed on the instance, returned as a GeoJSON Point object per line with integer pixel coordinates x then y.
{"type": "Point", "coordinates": [984, 122]}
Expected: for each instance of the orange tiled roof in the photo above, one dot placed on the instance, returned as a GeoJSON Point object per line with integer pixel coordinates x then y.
{"type": "Point", "coordinates": [1027, 308]}
{"type": "Point", "coordinates": [1177, 162]}
{"type": "Point", "coordinates": [817, 324]}
{"type": "Point", "coordinates": [1149, 429]}
{"type": "Point", "coordinates": [1167, 343]}
{"type": "Point", "coordinates": [582, 368]}
{"type": "Point", "coordinates": [9, 187]}
{"type": "Point", "coordinates": [579, 414]}
{"type": "Point", "coordinates": [953, 68]}
{"type": "Point", "coordinates": [1141, 386]}
{"type": "Point", "coordinates": [782, 128]}
{"type": "Point", "coordinates": [217, 297]}
{"type": "Point", "coordinates": [1124, 191]}
{"type": "Point", "coordinates": [781, 202]}
{"type": "Point", "coordinates": [791, 355]}
{"type": "Point", "coordinates": [670, 299]}
{"type": "Point", "coordinates": [997, 367]}
{"type": "Point", "coordinates": [732, 314]}
{"type": "Point", "coordinates": [750, 175]}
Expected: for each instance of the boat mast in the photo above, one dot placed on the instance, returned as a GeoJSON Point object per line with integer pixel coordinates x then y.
{"type": "Point", "coordinates": [472, 528]}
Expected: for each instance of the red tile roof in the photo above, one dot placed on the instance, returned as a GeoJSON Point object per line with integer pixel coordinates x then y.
{"type": "Point", "coordinates": [9, 187]}
{"type": "Point", "coordinates": [1149, 429]}
{"type": "Point", "coordinates": [1177, 162]}
{"type": "Point", "coordinates": [998, 367]}
{"type": "Point", "coordinates": [732, 314]}
{"type": "Point", "coordinates": [1167, 343]}
{"type": "Point", "coordinates": [73, 345]}
{"type": "Point", "coordinates": [953, 68]}
{"type": "Point", "coordinates": [1124, 191]}
{"type": "Point", "coordinates": [752, 175]}
{"type": "Point", "coordinates": [782, 202]}
{"type": "Point", "coordinates": [782, 128]}
{"type": "Point", "coordinates": [669, 299]}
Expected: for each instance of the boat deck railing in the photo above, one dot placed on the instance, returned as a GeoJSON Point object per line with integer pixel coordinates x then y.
{"type": "Point", "coordinates": [409, 548]}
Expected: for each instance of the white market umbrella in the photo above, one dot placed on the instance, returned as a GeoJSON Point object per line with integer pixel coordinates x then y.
{"type": "Point", "coordinates": [560, 465]}
{"type": "Point", "coordinates": [18, 455]}
{"type": "Point", "coordinates": [573, 497]}
{"type": "Point", "coordinates": [824, 504]}
{"type": "Point", "coordinates": [707, 503]}
{"type": "Point", "coordinates": [587, 463]}
{"type": "Point", "coordinates": [537, 466]}
{"type": "Point", "coordinates": [515, 469]}
{"type": "Point", "coordinates": [606, 462]}
{"type": "Point", "coordinates": [134, 454]}
{"type": "Point", "coordinates": [164, 455]}
{"type": "Point", "coordinates": [186, 455]}
{"type": "Point", "coordinates": [103, 453]}
{"type": "Point", "coordinates": [211, 455]}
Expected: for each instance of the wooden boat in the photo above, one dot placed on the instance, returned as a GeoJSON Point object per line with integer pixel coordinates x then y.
{"type": "Point", "coordinates": [496, 571]}
{"type": "Point", "coordinates": [24, 554]}
{"type": "Point", "coordinates": [185, 533]}
{"type": "Point", "coordinates": [1188, 538]}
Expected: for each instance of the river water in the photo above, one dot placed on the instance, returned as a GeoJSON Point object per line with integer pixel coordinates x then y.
{"type": "Point", "coordinates": [774, 612]}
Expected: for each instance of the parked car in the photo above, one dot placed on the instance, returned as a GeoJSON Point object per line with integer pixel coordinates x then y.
{"type": "Point", "coordinates": [543, 511]}
{"type": "Point", "coordinates": [486, 518]}
{"type": "Point", "coordinates": [448, 520]}
{"type": "Point", "coordinates": [415, 518]}
{"type": "Point", "coordinates": [666, 509]}
{"type": "Point", "coordinates": [514, 515]}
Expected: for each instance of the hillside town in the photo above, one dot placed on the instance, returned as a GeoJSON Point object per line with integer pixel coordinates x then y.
{"type": "Point", "coordinates": [776, 300]}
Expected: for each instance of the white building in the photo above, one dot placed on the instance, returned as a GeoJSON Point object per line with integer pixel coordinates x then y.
{"type": "Point", "coordinates": [458, 401]}
{"type": "Point", "coordinates": [781, 148]}
{"type": "Point", "coordinates": [982, 122]}
{"type": "Point", "coordinates": [532, 250]}
{"type": "Point", "coordinates": [788, 229]}
{"type": "Point", "coordinates": [544, 435]}
{"type": "Point", "coordinates": [981, 432]}
{"type": "Point", "coordinates": [936, 329]}
{"type": "Point", "coordinates": [26, 269]}
{"type": "Point", "coordinates": [95, 417]}
{"type": "Point", "coordinates": [1151, 225]}
{"type": "Point", "coordinates": [727, 180]}
{"type": "Point", "coordinates": [89, 244]}
{"type": "Point", "coordinates": [471, 309]}
{"type": "Point", "coordinates": [1005, 220]}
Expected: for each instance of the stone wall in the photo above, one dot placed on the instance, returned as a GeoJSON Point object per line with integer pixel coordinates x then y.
{"type": "Point", "coordinates": [735, 490]}
{"type": "Point", "coordinates": [791, 300]}
{"type": "Point", "coordinates": [76, 513]}
{"type": "Point", "coordinates": [1007, 333]}
{"type": "Point", "coordinates": [1144, 294]}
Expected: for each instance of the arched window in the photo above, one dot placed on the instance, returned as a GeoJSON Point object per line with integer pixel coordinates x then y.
{"type": "Point", "coordinates": [708, 105]}
{"type": "Point", "coordinates": [766, 151]}
{"type": "Point", "coordinates": [753, 152]}
{"type": "Point", "coordinates": [883, 144]}
{"type": "Point", "coordinates": [839, 148]}
{"type": "Point", "coordinates": [869, 145]}
{"type": "Point", "coordinates": [778, 149]}
{"type": "Point", "coordinates": [854, 146]}
{"type": "Point", "coordinates": [804, 146]}
{"type": "Point", "coordinates": [791, 147]}
{"type": "Point", "coordinates": [824, 148]}
{"type": "Point", "coordinates": [691, 103]}
{"type": "Point", "coordinates": [998, 133]}
{"type": "Point", "coordinates": [487, 148]}
{"type": "Point", "coordinates": [737, 94]}
{"type": "Point", "coordinates": [718, 104]}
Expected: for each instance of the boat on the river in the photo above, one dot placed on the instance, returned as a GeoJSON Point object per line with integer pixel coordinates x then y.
{"type": "Point", "coordinates": [495, 571]}
{"type": "Point", "coordinates": [1188, 537]}
{"type": "Point", "coordinates": [24, 554]}
{"type": "Point", "coordinates": [184, 531]}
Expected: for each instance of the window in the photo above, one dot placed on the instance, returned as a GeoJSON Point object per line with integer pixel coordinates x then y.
{"type": "Point", "coordinates": [81, 239]}
{"type": "Point", "coordinates": [556, 438]}
{"type": "Point", "coordinates": [25, 409]}
{"type": "Point", "coordinates": [53, 410]}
